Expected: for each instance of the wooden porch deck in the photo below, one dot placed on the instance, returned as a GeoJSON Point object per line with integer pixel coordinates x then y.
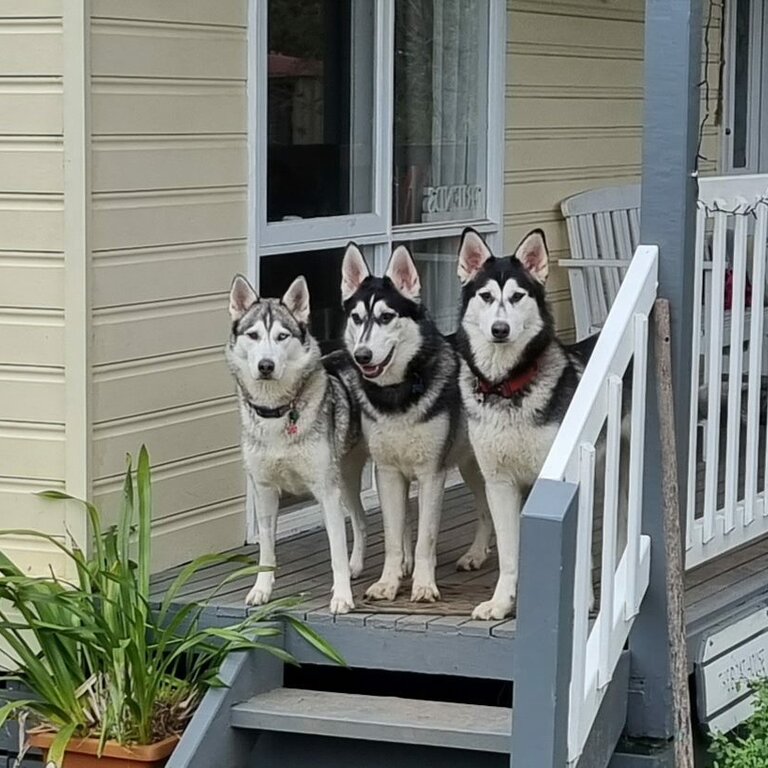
{"type": "Point", "coordinates": [396, 635]}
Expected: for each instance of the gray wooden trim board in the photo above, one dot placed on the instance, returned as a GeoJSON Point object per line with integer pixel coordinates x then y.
{"type": "Point", "coordinates": [377, 718]}
{"type": "Point", "coordinates": [545, 631]}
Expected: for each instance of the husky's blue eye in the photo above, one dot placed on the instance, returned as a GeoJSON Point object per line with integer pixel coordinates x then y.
{"type": "Point", "coordinates": [386, 317]}
{"type": "Point", "coordinates": [356, 319]}
{"type": "Point", "coordinates": [486, 296]}
{"type": "Point", "coordinates": [516, 296]}
{"type": "Point", "coordinates": [253, 335]}
{"type": "Point", "coordinates": [282, 336]}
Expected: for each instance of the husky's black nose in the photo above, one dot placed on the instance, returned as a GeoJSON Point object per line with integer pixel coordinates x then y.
{"type": "Point", "coordinates": [266, 367]}
{"type": "Point", "coordinates": [363, 355]}
{"type": "Point", "coordinates": [500, 330]}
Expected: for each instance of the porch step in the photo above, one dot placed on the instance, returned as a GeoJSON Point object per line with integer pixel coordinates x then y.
{"type": "Point", "coordinates": [377, 718]}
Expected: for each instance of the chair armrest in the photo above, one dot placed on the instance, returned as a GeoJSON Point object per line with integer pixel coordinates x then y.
{"type": "Point", "coordinates": [600, 263]}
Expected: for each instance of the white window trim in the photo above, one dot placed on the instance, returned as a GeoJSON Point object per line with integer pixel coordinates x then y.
{"type": "Point", "coordinates": [757, 145]}
{"type": "Point", "coordinates": [374, 229]}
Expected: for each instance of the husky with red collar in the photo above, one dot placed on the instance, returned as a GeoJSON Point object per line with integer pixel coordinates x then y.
{"type": "Point", "coordinates": [517, 380]}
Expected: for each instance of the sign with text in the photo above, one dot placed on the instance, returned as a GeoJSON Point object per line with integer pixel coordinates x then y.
{"type": "Point", "coordinates": [730, 658]}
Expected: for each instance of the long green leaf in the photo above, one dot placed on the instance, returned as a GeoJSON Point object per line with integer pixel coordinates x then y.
{"type": "Point", "coordinates": [144, 488]}
{"type": "Point", "coordinates": [59, 744]}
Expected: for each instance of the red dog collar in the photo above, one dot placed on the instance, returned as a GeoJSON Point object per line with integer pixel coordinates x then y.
{"type": "Point", "coordinates": [509, 387]}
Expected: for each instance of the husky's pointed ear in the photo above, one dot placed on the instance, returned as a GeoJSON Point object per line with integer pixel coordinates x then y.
{"type": "Point", "coordinates": [353, 271]}
{"type": "Point", "coordinates": [401, 270]}
{"type": "Point", "coordinates": [473, 254]}
{"type": "Point", "coordinates": [296, 299]}
{"type": "Point", "coordinates": [241, 297]}
{"type": "Point", "coordinates": [532, 253]}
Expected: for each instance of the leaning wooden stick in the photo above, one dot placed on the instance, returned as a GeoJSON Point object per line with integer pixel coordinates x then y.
{"type": "Point", "coordinates": [672, 539]}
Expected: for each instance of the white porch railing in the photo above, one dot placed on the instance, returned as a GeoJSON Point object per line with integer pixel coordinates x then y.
{"type": "Point", "coordinates": [727, 461]}
{"type": "Point", "coordinates": [594, 427]}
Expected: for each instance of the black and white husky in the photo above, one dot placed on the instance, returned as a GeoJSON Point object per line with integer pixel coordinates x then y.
{"type": "Point", "coordinates": [412, 418]}
{"type": "Point", "coordinates": [300, 428]}
{"type": "Point", "coordinates": [517, 380]}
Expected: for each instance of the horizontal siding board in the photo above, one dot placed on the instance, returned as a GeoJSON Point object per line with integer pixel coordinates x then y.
{"type": "Point", "coordinates": [31, 164]}
{"type": "Point", "coordinates": [152, 50]}
{"type": "Point", "coordinates": [192, 483]}
{"type": "Point", "coordinates": [31, 337]}
{"type": "Point", "coordinates": [30, 47]}
{"type": "Point", "coordinates": [27, 9]}
{"type": "Point", "coordinates": [142, 386]}
{"type": "Point", "coordinates": [564, 112]}
{"type": "Point", "coordinates": [22, 508]}
{"type": "Point", "coordinates": [157, 274]}
{"type": "Point", "coordinates": [567, 72]}
{"type": "Point", "coordinates": [167, 107]}
{"type": "Point", "coordinates": [169, 435]}
{"type": "Point", "coordinates": [31, 280]}
{"type": "Point", "coordinates": [580, 33]}
{"type": "Point", "coordinates": [624, 10]}
{"type": "Point", "coordinates": [139, 163]}
{"type": "Point", "coordinates": [197, 532]}
{"type": "Point", "coordinates": [222, 12]}
{"type": "Point", "coordinates": [34, 451]}
{"type": "Point", "coordinates": [31, 106]}
{"type": "Point", "coordinates": [134, 220]}
{"type": "Point", "coordinates": [159, 329]}
{"type": "Point", "coordinates": [31, 223]}
{"type": "Point", "coordinates": [31, 393]}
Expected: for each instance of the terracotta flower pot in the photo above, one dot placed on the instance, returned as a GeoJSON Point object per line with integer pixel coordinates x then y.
{"type": "Point", "coordinates": [83, 753]}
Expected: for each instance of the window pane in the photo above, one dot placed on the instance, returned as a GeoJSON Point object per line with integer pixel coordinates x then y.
{"type": "Point", "coordinates": [440, 288]}
{"type": "Point", "coordinates": [319, 108]}
{"type": "Point", "coordinates": [741, 85]}
{"type": "Point", "coordinates": [322, 269]}
{"type": "Point", "coordinates": [441, 104]}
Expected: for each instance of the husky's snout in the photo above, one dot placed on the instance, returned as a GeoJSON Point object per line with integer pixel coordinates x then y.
{"type": "Point", "coordinates": [500, 330]}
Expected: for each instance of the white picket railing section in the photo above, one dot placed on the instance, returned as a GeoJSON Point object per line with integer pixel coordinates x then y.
{"type": "Point", "coordinates": [577, 453]}
{"type": "Point", "coordinates": [727, 461]}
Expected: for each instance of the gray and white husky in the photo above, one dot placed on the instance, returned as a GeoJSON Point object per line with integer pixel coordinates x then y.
{"type": "Point", "coordinates": [300, 428]}
{"type": "Point", "coordinates": [517, 380]}
{"type": "Point", "coordinates": [412, 418]}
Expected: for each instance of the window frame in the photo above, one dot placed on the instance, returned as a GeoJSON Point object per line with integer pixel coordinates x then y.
{"type": "Point", "coordinates": [374, 230]}
{"type": "Point", "coordinates": [757, 88]}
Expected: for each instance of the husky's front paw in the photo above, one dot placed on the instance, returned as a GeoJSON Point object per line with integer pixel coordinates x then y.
{"type": "Point", "coordinates": [425, 593]}
{"type": "Point", "coordinates": [471, 560]}
{"type": "Point", "coordinates": [382, 590]}
{"type": "Point", "coordinates": [259, 595]}
{"type": "Point", "coordinates": [493, 609]}
{"type": "Point", "coordinates": [341, 604]}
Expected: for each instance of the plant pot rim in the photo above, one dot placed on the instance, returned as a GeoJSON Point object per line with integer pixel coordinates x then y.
{"type": "Point", "coordinates": [90, 746]}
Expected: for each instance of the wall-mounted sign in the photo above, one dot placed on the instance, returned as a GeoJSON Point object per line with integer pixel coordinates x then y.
{"type": "Point", "coordinates": [728, 660]}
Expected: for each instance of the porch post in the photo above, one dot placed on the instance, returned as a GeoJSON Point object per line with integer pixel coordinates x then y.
{"type": "Point", "coordinates": [673, 33]}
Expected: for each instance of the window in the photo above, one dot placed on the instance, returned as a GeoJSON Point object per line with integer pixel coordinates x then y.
{"type": "Point", "coordinates": [746, 66]}
{"type": "Point", "coordinates": [379, 121]}
{"type": "Point", "coordinates": [440, 110]}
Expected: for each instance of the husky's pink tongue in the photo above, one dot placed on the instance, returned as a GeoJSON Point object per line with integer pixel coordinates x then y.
{"type": "Point", "coordinates": [370, 371]}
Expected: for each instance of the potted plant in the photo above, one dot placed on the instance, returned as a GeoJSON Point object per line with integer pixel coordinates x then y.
{"type": "Point", "coordinates": [113, 680]}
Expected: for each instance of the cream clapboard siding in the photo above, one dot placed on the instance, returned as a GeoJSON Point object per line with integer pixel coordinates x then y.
{"type": "Point", "coordinates": [32, 408]}
{"type": "Point", "coordinates": [169, 181]}
{"type": "Point", "coordinates": [574, 115]}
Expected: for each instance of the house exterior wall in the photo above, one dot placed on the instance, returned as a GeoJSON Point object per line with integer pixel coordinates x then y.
{"type": "Point", "coordinates": [574, 115]}
{"type": "Point", "coordinates": [32, 361]}
{"type": "Point", "coordinates": [168, 230]}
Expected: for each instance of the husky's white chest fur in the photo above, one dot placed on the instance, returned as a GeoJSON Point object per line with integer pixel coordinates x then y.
{"type": "Point", "coordinates": [509, 441]}
{"type": "Point", "coordinates": [414, 447]}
